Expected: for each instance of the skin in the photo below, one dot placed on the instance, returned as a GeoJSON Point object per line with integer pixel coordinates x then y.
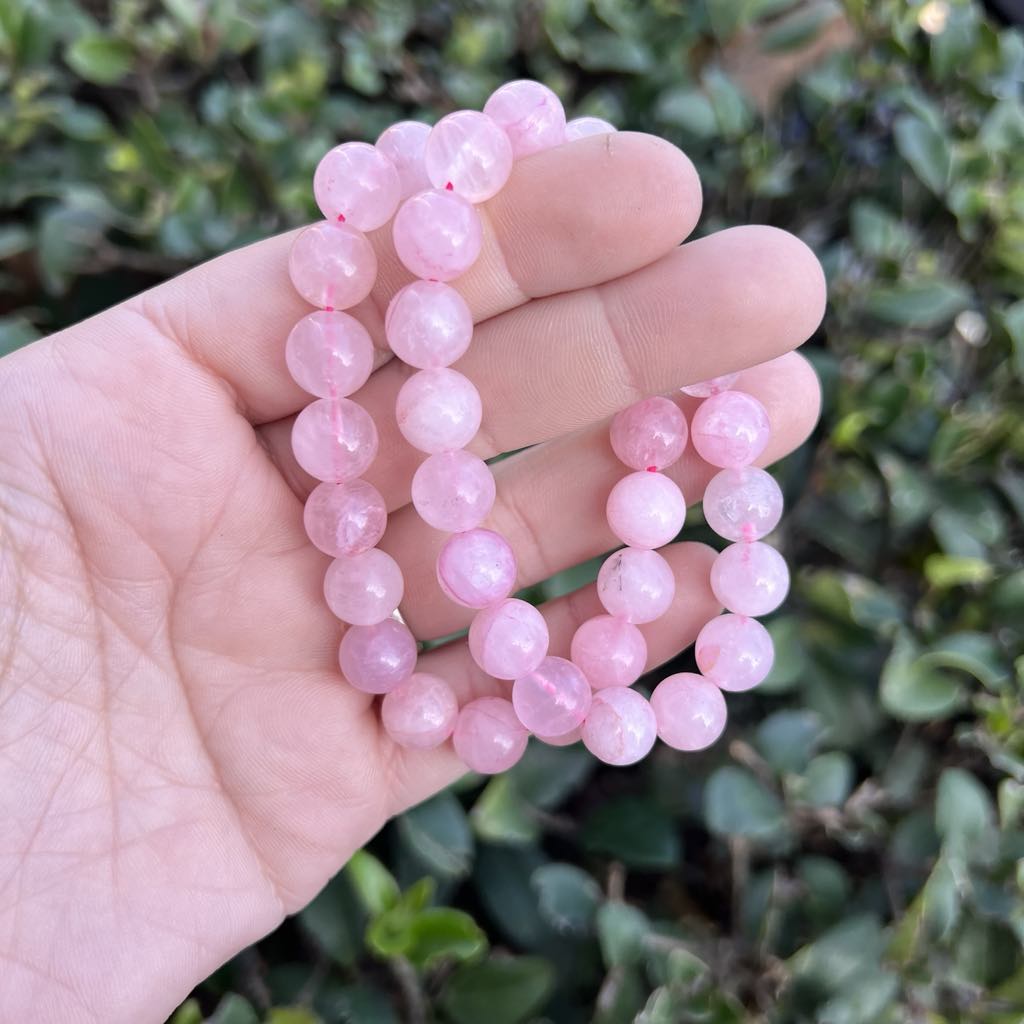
{"type": "Point", "coordinates": [181, 765]}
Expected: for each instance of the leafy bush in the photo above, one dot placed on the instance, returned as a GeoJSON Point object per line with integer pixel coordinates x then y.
{"type": "Point", "coordinates": [850, 853]}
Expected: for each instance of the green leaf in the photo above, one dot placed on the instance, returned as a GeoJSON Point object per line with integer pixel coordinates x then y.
{"type": "Point", "coordinates": [373, 883]}
{"type": "Point", "coordinates": [736, 804]}
{"type": "Point", "coordinates": [1013, 321]}
{"type": "Point", "coordinates": [828, 780]}
{"type": "Point", "coordinates": [918, 304]}
{"type": "Point", "coordinates": [977, 654]}
{"type": "Point", "coordinates": [877, 232]}
{"type": "Point", "coordinates": [787, 739]}
{"type": "Point", "coordinates": [732, 110]}
{"type": "Point", "coordinates": [100, 58]}
{"type": "Point", "coordinates": [726, 17]}
{"type": "Point", "coordinates": [689, 109]}
{"type": "Point", "coordinates": [233, 1009]}
{"type": "Point", "coordinates": [567, 897]}
{"type": "Point", "coordinates": [914, 690]}
{"type": "Point", "coordinates": [188, 1013]}
{"type": "Point", "coordinates": [621, 930]}
{"type": "Point", "coordinates": [800, 28]}
{"type": "Point", "coordinates": [843, 954]}
{"type": "Point", "coordinates": [634, 830]}
{"type": "Point", "coordinates": [336, 921]}
{"type": "Point", "coordinates": [964, 813]}
{"type": "Point", "coordinates": [501, 815]}
{"type": "Point", "coordinates": [545, 776]}
{"type": "Point", "coordinates": [508, 990]}
{"type": "Point", "coordinates": [945, 571]}
{"type": "Point", "coordinates": [437, 832]}
{"type": "Point", "coordinates": [926, 149]}
{"type": "Point", "coordinates": [442, 933]}
{"type": "Point", "coordinates": [292, 1015]}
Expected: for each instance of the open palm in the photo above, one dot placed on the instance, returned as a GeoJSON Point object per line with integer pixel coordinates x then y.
{"type": "Point", "coordinates": [182, 764]}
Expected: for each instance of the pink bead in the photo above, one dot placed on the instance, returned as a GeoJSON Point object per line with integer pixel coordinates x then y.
{"type": "Point", "coordinates": [743, 504]}
{"type": "Point", "coordinates": [646, 510]}
{"type": "Point", "coordinates": [476, 568]}
{"type": "Point", "coordinates": [750, 579]}
{"type": "Point", "coordinates": [508, 639]}
{"type": "Point", "coordinates": [334, 439]}
{"type": "Point", "coordinates": [357, 184]}
{"type": "Point", "coordinates": [364, 589]}
{"type": "Point", "coordinates": [711, 386]}
{"type": "Point", "coordinates": [428, 325]}
{"type": "Point", "coordinates": [438, 410]}
{"type": "Point", "coordinates": [620, 728]}
{"type": "Point", "coordinates": [332, 266]}
{"type": "Point", "coordinates": [330, 355]}
{"type": "Point", "coordinates": [453, 491]}
{"type": "Point", "coordinates": [735, 652]}
{"type": "Point", "coordinates": [730, 429]}
{"type": "Point", "coordinates": [531, 115]}
{"type": "Point", "coordinates": [470, 153]}
{"type": "Point", "coordinates": [488, 737]}
{"type": "Point", "coordinates": [581, 127]}
{"type": "Point", "coordinates": [635, 584]}
{"type": "Point", "coordinates": [650, 434]}
{"type": "Point", "coordinates": [437, 235]}
{"type": "Point", "coordinates": [420, 713]}
{"type": "Point", "coordinates": [404, 144]}
{"type": "Point", "coordinates": [690, 711]}
{"type": "Point", "coordinates": [610, 651]}
{"type": "Point", "coordinates": [346, 518]}
{"type": "Point", "coordinates": [553, 699]}
{"type": "Point", "coordinates": [375, 659]}
{"type": "Point", "coordinates": [565, 740]}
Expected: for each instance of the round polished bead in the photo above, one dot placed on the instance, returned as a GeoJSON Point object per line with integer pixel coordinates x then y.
{"type": "Point", "coordinates": [743, 504]}
{"type": "Point", "coordinates": [735, 652]}
{"type": "Point", "coordinates": [636, 584]}
{"type": "Point", "coordinates": [438, 410]}
{"type": "Point", "coordinates": [650, 434]}
{"type": "Point", "coordinates": [711, 386]}
{"type": "Point", "coordinates": [364, 589]}
{"type": "Point", "coordinates": [376, 658]}
{"type": "Point", "coordinates": [332, 266]}
{"type": "Point", "coordinates": [610, 651]}
{"type": "Point", "coordinates": [730, 429]}
{"type": "Point", "coordinates": [437, 235]}
{"type": "Point", "coordinates": [356, 184]}
{"type": "Point", "coordinates": [553, 699]}
{"type": "Point", "coordinates": [750, 579]}
{"type": "Point", "coordinates": [476, 568]}
{"type": "Point", "coordinates": [581, 127]}
{"type": "Point", "coordinates": [508, 639]}
{"type": "Point", "coordinates": [404, 144]}
{"type": "Point", "coordinates": [330, 355]}
{"type": "Point", "coordinates": [690, 711]}
{"type": "Point", "coordinates": [453, 491]}
{"type": "Point", "coordinates": [646, 510]}
{"type": "Point", "coordinates": [428, 325]}
{"type": "Point", "coordinates": [620, 727]}
{"type": "Point", "coordinates": [469, 153]}
{"type": "Point", "coordinates": [531, 115]}
{"type": "Point", "coordinates": [420, 713]}
{"type": "Point", "coordinates": [334, 439]}
{"type": "Point", "coordinates": [488, 736]}
{"type": "Point", "coordinates": [565, 740]}
{"type": "Point", "coordinates": [345, 518]}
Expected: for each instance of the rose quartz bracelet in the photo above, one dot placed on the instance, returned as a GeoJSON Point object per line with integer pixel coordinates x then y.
{"type": "Point", "coordinates": [438, 175]}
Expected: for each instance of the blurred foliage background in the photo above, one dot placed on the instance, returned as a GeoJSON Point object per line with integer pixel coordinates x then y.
{"type": "Point", "coordinates": [850, 853]}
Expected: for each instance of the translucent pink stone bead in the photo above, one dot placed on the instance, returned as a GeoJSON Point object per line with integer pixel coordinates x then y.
{"type": "Point", "coordinates": [635, 584]}
{"type": "Point", "coordinates": [488, 737]}
{"type": "Point", "coordinates": [453, 491]}
{"type": "Point", "coordinates": [404, 144]}
{"type": "Point", "coordinates": [580, 127]}
{"type": "Point", "coordinates": [357, 184]}
{"type": "Point", "coordinates": [750, 579]}
{"type": "Point", "coordinates": [553, 699]}
{"type": "Point", "coordinates": [470, 152]}
{"type": "Point", "coordinates": [346, 518]}
{"type": "Point", "coordinates": [420, 713]}
{"type": "Point", "coordinates": [330, 355]}
{"type": "Point", "coordinates": [735, 652]}
{"type": "Point", "coordinates": [530, 113]}
{"type": "Point", "coordinates": [730, 429]}
{"type": "Point", "coordinates": [509, 639]}
{"type": "Point", "coordinates": [364, 589]}
{"type": "Point", "coordinates": [334, 439]}
{"type": "Point", "coordinates": [711, 386]}
{"type": "Point", "coordinates": [610, 651]}
{"type": "Point", "coordinates": [690, 711]}
{"type": "Point", "coordinates": [437, 235]}
{"type": "Point", "coordinates": [565, 740]}
{"type": "Point", "coordinates": [620, 728]}
{"type": "Point", "coordinates": [438, 410]}
{"type": "Point", "coordinates": [375, 659]}
{"type": "Point", "coordinates": [332, 266]}
{"type": "Point", "coordinates": [646, 510]}
{"type": "Point", "coordinates": [650, 434]}
{"type": "Point", "coordinates": [428, 325]}
{"type": "Point", "coordinates": [476, 568]}
{"type": "Point", "coordinates": [743, 504]}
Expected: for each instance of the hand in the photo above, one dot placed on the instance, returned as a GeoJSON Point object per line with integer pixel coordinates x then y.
{"type": "Point", "coordinates": [182, 763]}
